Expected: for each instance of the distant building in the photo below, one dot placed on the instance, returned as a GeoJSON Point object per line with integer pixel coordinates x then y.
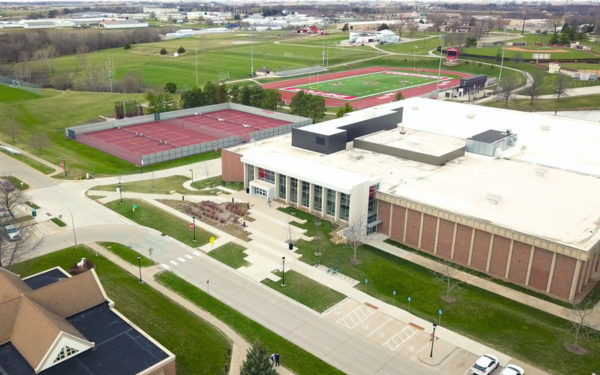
{"type": "Point", "coordinates": [122, 24]}
{"type": "Point", "coordinates": [57, 324]}
{"type": "Point", "coordinates": [383, 36]}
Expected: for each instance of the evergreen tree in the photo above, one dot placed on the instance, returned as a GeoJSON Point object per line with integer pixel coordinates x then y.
{"type": "Point", "coordinates": [271, 99]}
{"type": "Point", "coordinates": [221, 94]}
{"type": "Point", "coordinates": [234, 94]}
{"type": "Point", "coordinates": [257, 362]}
{"type": "Point", "coordinates": [316, 107]}
{"type": "Point", "coordinates": [193, 98]}
{"type": "Point", "coordinates": [399, 96]}
{"type": "Point", "coordinates": [298, 104]}
{"type": "Point", "coordinates": [256, 96]}
{"type": "Point", "coordinates": [245, 95]}
{"type": "Point", "coordinates": [170, 87]}
{"type": "Point", "coordinates": [209, 91]}
{"type": "Point", "coordinates": [343, 110]}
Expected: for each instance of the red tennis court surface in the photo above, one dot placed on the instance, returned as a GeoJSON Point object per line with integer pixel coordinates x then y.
{"type": "Point", "coordinates": [373, 100]}
{"type": "Point", "coordinates": [131, 142]}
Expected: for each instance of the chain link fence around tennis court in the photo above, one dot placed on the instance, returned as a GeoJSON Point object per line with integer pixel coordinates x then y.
{"type": "Point", "coordinates": [20, 84]}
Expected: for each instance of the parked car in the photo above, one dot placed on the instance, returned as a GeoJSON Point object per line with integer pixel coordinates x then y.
{"type": "Point", "coordinates": [6, 185]}
{"type": "Point", "coordinates": [4, 212]}
{"type": "Point", "coordinates": [511, 369]}
{"type": "Point", "coordinates": [485, 365]}
{"type": "Point", "coordinates": [11, 232]}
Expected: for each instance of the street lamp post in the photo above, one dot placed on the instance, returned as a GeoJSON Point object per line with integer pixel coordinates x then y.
{"type": "Point", "coordinates": [432, 340]}
{"type": "Point", "coordinates": [502, 62]}
{"type": "Point", "coordinates": [437, 84]}
{"type": "Point", "coordinates": [120, 193]}
{"type": "Point", "coordinates": [142, 164]}
{"type": "Point", "coordinates": [139, 258]}
{"type": "Point", "coordinates": [64, 165]}
{"type": "Point", "coordinates": [194, 225]}
{"type": "Point", "coordinates": [283, 271]}
{"type": "Point", "coordinates": [192, 171]}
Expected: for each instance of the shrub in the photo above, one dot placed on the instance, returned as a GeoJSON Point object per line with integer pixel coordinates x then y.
{"type": "Point", "coordinates": [163, 51]}
{"type": "Point", "coordinates": [181, 50]}
{"type": "Point", "coordinates": [127, 46]}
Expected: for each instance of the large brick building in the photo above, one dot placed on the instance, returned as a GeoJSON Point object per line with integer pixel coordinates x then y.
{"type": "Point", "coordinates": [507, 193]}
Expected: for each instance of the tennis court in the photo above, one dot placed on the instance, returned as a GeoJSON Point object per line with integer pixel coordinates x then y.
{"type": "Point", "coordinates": [365, 85]}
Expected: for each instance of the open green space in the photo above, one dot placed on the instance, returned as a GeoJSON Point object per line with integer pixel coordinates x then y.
{"type": "Point", "coordinates": [574, 103]}
{"type": "Point", "coordinates": [11, 95]}
{"type": "Point", "coordinates": [127, 254]}
{"type": "Point", "coordinates": [528, 51]}
{"type": "Point", "coordinates": [199, 347]}
{"type": "Point", "coordinates": [30, 162]}
{"type": "Point", "coordinates": [532, 335]}
{"type": "Point", "coordinates": [217, 181]}
{"type": "Point", "coordinates": [306, 291]}
{"type": "Point", "coordinates": [231, 254]}
{"type": "Point", "coordinates": [417, 47]}
{"type": "Point", "coordinates": [293, 357]}
{"type": "Point", "coordinates": [17, 183]}
{"type": "Point", "coordinates": [164, 185]}
{"type": "Point", "coordinates": [362, 86]}
{"type": "Point", "coordinates": [148, 215]}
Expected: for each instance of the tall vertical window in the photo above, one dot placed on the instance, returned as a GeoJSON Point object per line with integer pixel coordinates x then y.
{"type": "Point", "coordinates": [249, 173]}
{"type": "Point", "coordinates": [266, 175]}
{"type": "Point", "coordinates": [372, 207]}
{"type": "Point", "coordinates": [293, 190]}
{"type": "Point", "coordinates": [344, 206]}
{"type": "Point", "coordinates": [330, 203]}
{"type": "Point", "coordinates": [305, 193]}
{"type": "Point", "coordinates": [282, 186]}
{"type": "Point", "coordinates": [317, 198]}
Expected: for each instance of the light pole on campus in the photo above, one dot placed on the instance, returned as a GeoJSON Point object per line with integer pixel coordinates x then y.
{"type": "Point", "coordinates": [192, 172]}
{"type": "Point", "coordinates": [414, 61]}
{"type": "Point", "coordinates": [194, 226]}
{"type": "Point", "coordinates": [437, 84]}
{"type": "Point", "coordinates": [432, 340]}
{"type": "Point", "coordinates": [283, 271]}
{"type": "Point", "coordinates": [142, 163]}
{"type": "Point", "coordinates": [502, 61]}
{"type": "Point", "coordinates": [120, 191]}
{"type": "Point", "coordinates": [139, 258]}
{"type": "Point", "coordinates": [196, 68]}
{"type": "Point", "coordinates": [64, 166]}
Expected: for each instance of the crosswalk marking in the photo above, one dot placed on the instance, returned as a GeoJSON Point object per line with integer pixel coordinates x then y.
{"type": "Point", "coordinates": [173, 262]}
{"type": "Point", "coordinates": [188, 256]}
{"type": "Point", "coordinates": [164, 266]}
{"type": "Point", "coordinates": [355, 317]}
{"type": "Point", "coordinates": [181, 260]}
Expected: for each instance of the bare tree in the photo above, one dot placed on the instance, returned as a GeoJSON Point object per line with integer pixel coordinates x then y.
{"type": "Point", "coordinates": [534, 89]}
{"type": "Point", "coordinates": [12, 251]}
{"type": "Point", "coordinates": [506, 87]}
{"type": "Point", "coordinates": [356, 233]}
{"type": "Point", "coordinates": [448, 276]}
{"type": "Point", "coordinates": [561, 86]}
{"type": "Point", "coordinates": [578, 317]}
{"type": "Point", "coordinates": [39, 142]}
{"type": "Point", "coordinates": [11, 198]}
{"type": "Point", "coordinates": [12, 129]}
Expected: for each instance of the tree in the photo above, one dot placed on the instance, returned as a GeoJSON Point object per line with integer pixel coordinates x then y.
{"type": "Point", "coordinates": [209, 91]}
{"type": "Point", "coordinates": [561, 85]}
{"type": "Point", "coordinates": [193, 98]}
{"type": "Point", "coordinates": [180, 50]}
{"type": "Point", "coordinates": [220, 94]}
{"type": "Point", "coordinates": [471, 42]}
{"type": "Point", "coordinates": [39, 142]}
{"type": "Point", "coordinates": [554, 38]}
{"type": "Point", "coordinates": [343, 110]}
{"type": "Point", "coordinates": [399, 96]}
{"type": "Point", "coordinates": [270, 99]}
{"type": "Point", "coordinates": [12, 129]}
{"type": "Point", "coordinates": [517, 58]}
{"type": "Point", "coordinates": [534, 89]}
{"type": "Point", "coordinates": [257, 95]}
{"type": "Point", "coordinates": [383, 26]}
{"type": "Point", "coordinates": [234, 94]}
{"type": "Point", "coordinates": [578, 317]}
{"type": "Point", "coordinates": [257, 362]}
{"type": "Point", "coordinates": [162, 102]}
{"type": "Point", "coordinates": [316, 107]}
{"type": "Point", "coordinates": [245, 95]}
{"type": "Point", "coordinates": [12, 251]}
{"type": "Point", "coordinates": [447, 275]}
{"type": "Point", "coordinates": [345, 28]}
{"type": "Point", "coordinates": [11, 198]}
{"type": "Point", "coordinates": [163, 51]}
{"type": "Point", "coordinates": [506, 87]}
{"type": "Point", "coordinates": [127, 46]}
{"type": "Point", "coordinates": [355, 235]}
{"type": "Point", "coordinates": [170, 87]}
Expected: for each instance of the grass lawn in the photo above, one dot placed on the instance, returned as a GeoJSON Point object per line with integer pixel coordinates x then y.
{"type": "Point", "coordinates": [148, 215]}
{"type": "Point", "coordinates": [532, 335]}
{"type": "Point", "coordinates": [10, 95]}
{"type": "Point", "coordinates": [163, 185]}
{"type": "Point", "coordinates": [20, 185]}
{"type": "Point", "coordinates": [199, 347]}
{"type": "Point", "coordinates": [295, 358]}
{"type": "Point", "coordinates": [58, 222]}
{"type": "Point", "coordinates": [566, 52]}
{"type": "Point", "coordinates": [363, 86]}
{"type": "Point", "coordinates": [231, 254]}
{"type": "Point", "coordinates": [306, 291]}
{"type": "Point", "coordinates": [127, 254]}
{"type": "Point", "coordinates": [565, 104]}
{"type": "Point", "coordinates": [29, 161]}
{"type": "Point", "coordinates": [217, 181]}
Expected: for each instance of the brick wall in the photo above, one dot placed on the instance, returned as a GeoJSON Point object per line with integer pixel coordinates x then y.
{"type": "Point", "coordinates": [564, 267]}
{"type": "Point", "coordinates": [481, 248]}
{"type": "Point", "coordinates": [232, 167]}
{"type": "Point", "coordinates": [499, 256]}
{"type": "Point", "coordinates": [413, 228]}
{"type": "Point", "coordinates": [445, 234]}
{"type": "Point", "coordinates": [428, 234]}
{"type": "Point", "coordinates": [519, 262]}
{"type": "Point", "coordinates": [397, 232]}
{"type": "Point", "coordinates": [383, 213]}
{"type": "Point", "coordinates": [462, 244]}
{"type": "Point", "coordinates": [540, 269]}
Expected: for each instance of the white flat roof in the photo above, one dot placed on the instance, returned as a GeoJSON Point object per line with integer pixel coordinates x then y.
{"type": "Point", "coordinates": [546, 186]}
{"type": "Point", "coordinates": [416, 141]}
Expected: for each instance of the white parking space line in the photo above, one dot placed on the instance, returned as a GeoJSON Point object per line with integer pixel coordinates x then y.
{"type": "Point", "coordinates": [173, 262]}
{"type": "Point", "coordinates": [355, 317]}
{"type": "Point", "coordinates": [378, 328]}
{"type": "Point", "coordinates": [189, 256]}
{"type": "Point", "coordinates": [164, 266]}
{"type": "Point", "coordinates": [181, 260]}
{"type": "Point", "coordinates": [400, 338]}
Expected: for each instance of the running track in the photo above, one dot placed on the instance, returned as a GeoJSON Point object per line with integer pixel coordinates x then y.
{"type": "Point", "coordinates": [373, 100]}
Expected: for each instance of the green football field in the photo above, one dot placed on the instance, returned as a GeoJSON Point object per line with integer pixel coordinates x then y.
{"type": "Point", "coordinates": [365, 85]}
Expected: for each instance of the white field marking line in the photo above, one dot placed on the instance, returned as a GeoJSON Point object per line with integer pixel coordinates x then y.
{"type": "Point", "coordinates": [197, 253]}
{"type": "Point", "coordinates": [173, 262]}
{"type": "Point", "coordinates": [189, 256]}
{"type": "Point", "coordinates": [164, 266]}
{"type": "Point", "coordinates": [400, 89]}
{"type": "Point", "coordinates": [381, 326]}
{"type": "Point", "coordinates": [181, 260]}
{"type": "Point", "coordinates": [405, 339]}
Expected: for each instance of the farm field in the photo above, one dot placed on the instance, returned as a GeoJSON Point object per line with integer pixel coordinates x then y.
{"type": "Point", "coordinates": [363, 86]}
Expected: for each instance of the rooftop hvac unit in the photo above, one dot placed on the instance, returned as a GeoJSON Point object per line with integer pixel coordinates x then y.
{"type": "Point", "coordinates": [493, 198]}
{"type": "Point", "coordinates": [402, 130]}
